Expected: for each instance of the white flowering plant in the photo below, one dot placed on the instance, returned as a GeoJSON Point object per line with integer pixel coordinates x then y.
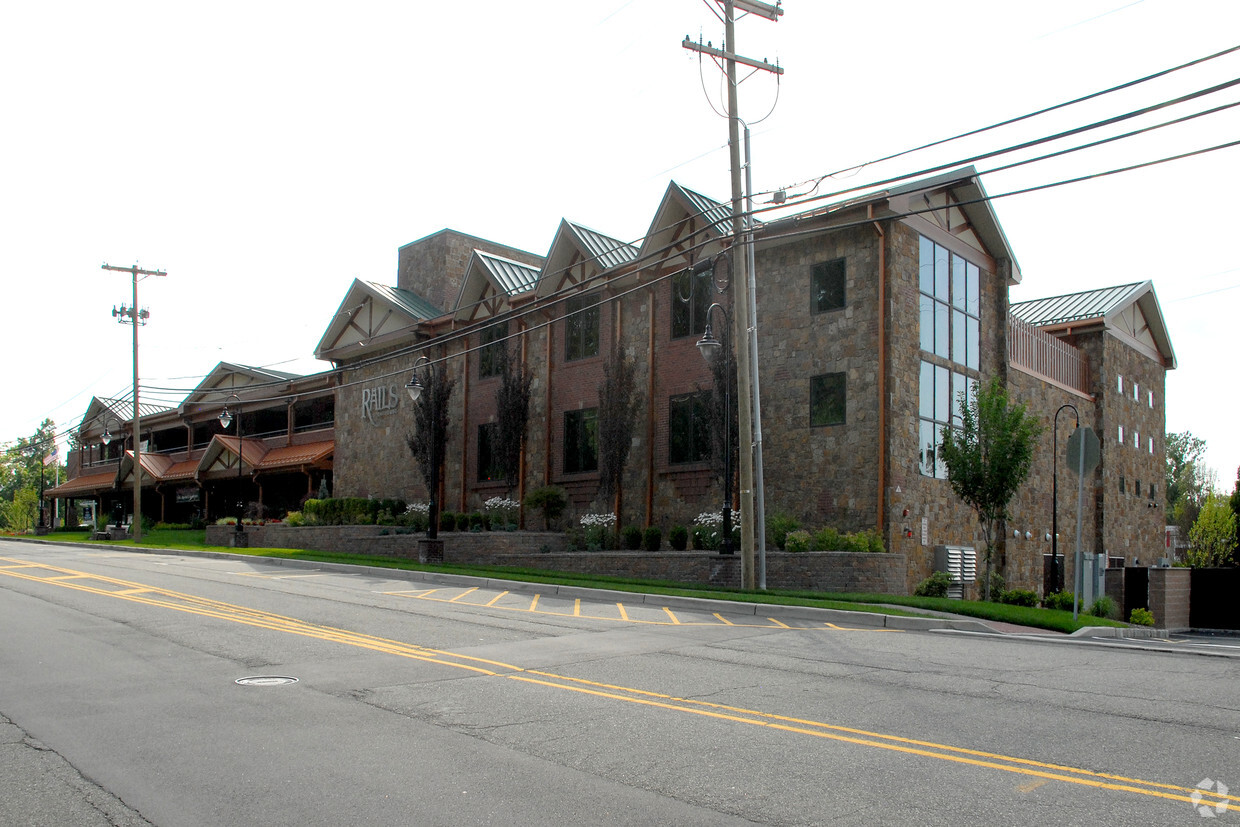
{"type": "Point", "coordinates": [417, 516]}
{"type": "Point", "coordinates": [708, 529]}
{"type": "Point", "coordinates": [502, 512]}
{"type": "Point", "coordinates": [599, 531]}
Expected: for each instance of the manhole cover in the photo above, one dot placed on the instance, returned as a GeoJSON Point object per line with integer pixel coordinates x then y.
{"type": "Point", "coordinates": [266, 680]}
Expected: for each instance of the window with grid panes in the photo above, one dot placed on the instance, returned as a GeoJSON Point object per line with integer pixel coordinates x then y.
{"type": "Point", "coordinates": [827, 286]}
{"type": "Point", "coordinates": [492, 340]}
{"type": "Point", "coordinates": [688, 428]}
{"type": "Point", "coordinates": [581, 325]}
{"type": "Point", "coordinates": [581, 440]}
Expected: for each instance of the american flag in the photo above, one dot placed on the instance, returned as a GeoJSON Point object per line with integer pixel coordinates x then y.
{"type": "Point", "coordinates": [52, 457]}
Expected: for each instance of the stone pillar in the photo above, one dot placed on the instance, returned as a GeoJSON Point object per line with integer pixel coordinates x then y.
{"type": "Point", "coordinates": [430, 551]}
{"type": "Point", "coordinates": [1170, 589]}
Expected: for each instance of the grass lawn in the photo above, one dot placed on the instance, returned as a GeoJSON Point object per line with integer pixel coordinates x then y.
{"type": "Point", "coordinates": [1061, 621]}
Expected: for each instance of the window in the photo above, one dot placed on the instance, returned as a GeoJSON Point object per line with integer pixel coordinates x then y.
{"type": "Point", "coordinates": [1153, 491]}
{"type": "Point", "coordinates": [688, 428]}
{"type": "Point", "coordinates": [941, 392]}
{"type": "Point", "coordinates": [827, 286]}
{"type": "Point", "coordinates": [488, 463]}
{"type": "Point", "coordinates": [1121, 483]}
{"type": "Point", "coordinates": [1136, 440]}
{"type": "Point", "coordinates": [950, 305]}
{"type": "Point", "coordinates": [828, 397]}
{"type": "Point", "coordinates": [1151, 393]}
{"type": "Point", "coordinates": [1136, 488]}
{"type": "Point", "coordinates": [581, 440]}
{"type": "Point", "coordinates": [689, 317]}
{"type": "Point", "coordinates": [492, 341]}
{"type": "Point", "coordinates": [1120, 384]}
{"type": "Point", "coordinates": [1151, 445]}
{"type": "Point", "coordinates": [1121, 434]}
{"type": "Point", "coordinates": [1136, 392]}
{"type": "Point", "coordinates": [581, 326]}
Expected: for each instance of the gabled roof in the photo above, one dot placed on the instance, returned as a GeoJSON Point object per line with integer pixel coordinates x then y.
{"type": "Point", "coordinates": [1130, 311]}
{"type": "Point", "coordinates": [102, 411]}
{"type": "Point", "coordinates": [222, 452]}
{"type": "Point", "coordinates": [578, 253]}
{"type": "Point", "coordinates": [492, 281]}
{"type": "Point", "coordinates": [226, 378]}
{"type": "Point", "coordinates": [87, 485]}
{"type": "Point", "coordinates": [290, 456]}
{"type": "Point", "coordinates": [372, 313]}
{"type": "Point", "coordinates": [685, 219]}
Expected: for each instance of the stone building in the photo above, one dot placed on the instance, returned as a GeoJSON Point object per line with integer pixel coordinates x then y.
{"type": "Point", "coordinates": [873, 316]}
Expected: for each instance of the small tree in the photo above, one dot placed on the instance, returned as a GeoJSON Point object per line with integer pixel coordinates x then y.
{"type": "Point", "coordinates": [1189, 481]}
{"type": "Point", "coordinates": [1213, 536]}
{"type": "Point", "coordinates": [989, 456]}
{"type": "Point", "coordinates": [512, 404]}
{"type": "Point", "coordinates": [617, 416]}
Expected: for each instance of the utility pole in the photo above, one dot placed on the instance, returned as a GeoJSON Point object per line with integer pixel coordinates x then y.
{"type": "Point", "coordinates": [133, 316]}
{"type": "Point", "coordinates": [742, 309]}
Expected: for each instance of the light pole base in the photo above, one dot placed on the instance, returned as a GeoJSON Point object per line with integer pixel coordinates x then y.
{"type": "Point", "coordinates": [238, 539]}
{"type": "Point", "coordinates": [430, 551]}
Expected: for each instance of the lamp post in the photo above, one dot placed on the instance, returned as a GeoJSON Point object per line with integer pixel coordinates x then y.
{"type": "Point", "coordinates": [1055, 493]}
{"type": "Point", "coordinates": [709, 347]}
{"type": "Point", "coordinates": [105, 440]}
{"type": "Point", "coordinates": [415, 388]}
{"type": "Point", "coordinates": [42, 527]}
{"type": "Point", "coordinates": [226, 417]}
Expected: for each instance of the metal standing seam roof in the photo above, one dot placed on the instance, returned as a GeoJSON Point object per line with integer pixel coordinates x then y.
{"type": "Point", "coordinates": [1075, 307]}
{"type": "Point", "coordinates": [406, 300]}
{"type": "Point", "coordinates": [292, 455]}
{"type": "Point", "coordinates": [513, 277]}
{"type": "Point", "coordinates": [607, 252]}
{"type": "Point", "coordinates": [122, 409]}
{"type": "Point", "coordinates": [88, 484]}
{"type": "Point", "coordinates": [718, 214]}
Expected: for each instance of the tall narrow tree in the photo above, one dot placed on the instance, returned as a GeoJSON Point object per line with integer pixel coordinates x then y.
{"type": "Point", "coordinates": [989, 457]}
{"type": "Point", "coordinates": [617, 417]}
{"type": "Point", "coordinates": [430, 435]}
{"type": "Point", "coordinates": [512, 405]}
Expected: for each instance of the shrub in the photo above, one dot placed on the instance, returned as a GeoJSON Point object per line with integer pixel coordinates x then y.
{"type": "Point", "coordinates": [678, 538]}
{"type": "Point", "coordinates": [652, 538]}
{"type": "Point", "coordinates": [168, 527]}
{"type": "Point", "coordinates": [599, 531]}
{"type": "Point", "coordinates": [1020, 597]}
{"type": "Point", "coordinates": [1141, 617]}
{"type": "Point", "coordinates": [1058, 600]}
{"type": "Point", "coordinates": [799, 540]}
{"type": "Point", "coordinates": [827, 539]}
{"type": "Point", "coordinates": [935, 585]}
{"type": "Point", "coordinates": [447, 521]}
{"type": "Point", "coordinates": [632, 537]}
{"type": "Point", "coordinates": [777, 528]}
{"type": "Point", "coordinates": [551, 500]}
{"type": "Point", "coordinates": [294, 518]}
{"type": "Point", "coordinates": [477, 521]}
{"type": "Point", "coordinates": [502, 512]}
{"type": "Point", "coordinates": [1102, 607]}
{"type": "Point", "coordinates": [704, 539]}
{"type": "Point", "coordinates": [997, 587]}
{"type": "Point", "coordinates": [416, 516]}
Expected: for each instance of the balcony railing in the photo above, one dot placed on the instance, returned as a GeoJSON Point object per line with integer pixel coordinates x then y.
{"type": "Point", "coordinates": [1042, 354]}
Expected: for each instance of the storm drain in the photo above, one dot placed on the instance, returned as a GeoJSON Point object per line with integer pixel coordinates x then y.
{"type": "Point", "coordinates": [266, 680]}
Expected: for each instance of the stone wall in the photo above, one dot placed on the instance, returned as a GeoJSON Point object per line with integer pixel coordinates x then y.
{"type": "Point", "coordinates": [834, 571]}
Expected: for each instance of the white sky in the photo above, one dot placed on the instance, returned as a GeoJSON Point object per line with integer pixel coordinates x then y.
{"type": "Point", "coordinates": [265, 154]}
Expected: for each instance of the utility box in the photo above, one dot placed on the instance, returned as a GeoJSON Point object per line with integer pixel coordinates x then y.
{"type": "Point", "coordinates": [961, 563]}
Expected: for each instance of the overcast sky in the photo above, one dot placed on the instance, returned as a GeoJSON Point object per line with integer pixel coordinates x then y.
{"type": "Point", "coordinates": [266, 154]}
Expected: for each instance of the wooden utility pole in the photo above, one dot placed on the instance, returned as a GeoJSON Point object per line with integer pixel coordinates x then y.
{"type": "Point", "coordinates": [133, 316]}
{"type": "Point", "coordinates": [742, 312]}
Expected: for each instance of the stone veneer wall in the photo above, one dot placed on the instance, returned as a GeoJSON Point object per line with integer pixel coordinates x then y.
{"type": "Point", "coordinates": [834, 571]}
{"type": "Point", "coordinates": [1031, 508]}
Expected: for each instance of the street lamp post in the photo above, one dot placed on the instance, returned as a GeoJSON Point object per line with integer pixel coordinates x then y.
{"type": "Point", "coordinates": [42, 527]}
{"type": "Point", "coordinates": [105, 440]}
{"type": "Point", "coordinates": [1055, 493]}
{"type": "Point", "coordinates": [226, 417]}
{"type": "Point", "coordinates": [709, 347]}
{"type": "Point", "coordinates": [415, 388]}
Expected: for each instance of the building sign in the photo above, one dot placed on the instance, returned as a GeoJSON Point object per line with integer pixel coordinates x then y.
{"type": "Point", "coordinates": [188, 494]}
{"type": "Point", "coordinates": [378, 401]}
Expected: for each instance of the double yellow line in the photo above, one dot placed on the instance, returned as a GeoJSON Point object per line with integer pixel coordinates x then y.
{"type": "Point", "coordinates": [178, 601]}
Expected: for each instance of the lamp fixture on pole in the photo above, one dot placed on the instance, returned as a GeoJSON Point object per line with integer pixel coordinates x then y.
{"type": "Point", "coordinates": [226, 418]}
{"type": "Point", "coordinates": [1055, 579]}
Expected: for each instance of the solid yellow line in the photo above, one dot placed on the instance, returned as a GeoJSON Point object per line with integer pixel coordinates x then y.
{"type": "Point", "coordinates": [496, 598]}
{"type": "Point", "coordinates": [724, 619]}
{"type": "Point", "coordinates": [623, 614]}
{"type": "Point", "coordinates": [464, 593]}
{"type": "Point", "coordinates": [534, 602]}
{"type": "Point", "coordinates": [675, 620]}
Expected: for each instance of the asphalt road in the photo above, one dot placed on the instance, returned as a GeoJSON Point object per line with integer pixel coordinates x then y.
{"type": "Point", "coordinates": [425, 703]}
